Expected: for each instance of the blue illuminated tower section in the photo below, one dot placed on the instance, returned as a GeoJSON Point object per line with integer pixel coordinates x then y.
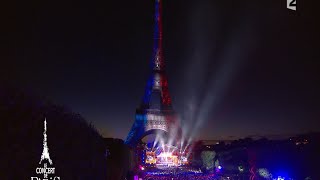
{"type": "Point", "coordinates": [150, 119]}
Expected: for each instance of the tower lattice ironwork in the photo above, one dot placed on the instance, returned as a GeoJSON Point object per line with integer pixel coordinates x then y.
{"type": "Point", "coordinates": [149, 118]}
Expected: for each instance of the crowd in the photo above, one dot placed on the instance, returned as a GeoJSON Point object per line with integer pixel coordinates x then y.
{"type": "Point", "coordinates": [177, 174]}
{"type": "Point", "coordinates": [185, 176]}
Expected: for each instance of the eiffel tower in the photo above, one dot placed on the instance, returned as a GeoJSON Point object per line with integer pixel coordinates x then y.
{"type": "Point", "coordinates": [155, 116]}
{"type": "Point", "coordinates": [45, 151]}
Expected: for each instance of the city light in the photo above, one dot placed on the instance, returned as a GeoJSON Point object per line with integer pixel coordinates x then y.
{"type": "Point", "coordinates": [263, 172]}
{"type": "Point", "coordinates": [280, 178]}
{"type": "Point", "coordinates": [240, 168]}
{"type": "Point", "coordinates": [142, 168]}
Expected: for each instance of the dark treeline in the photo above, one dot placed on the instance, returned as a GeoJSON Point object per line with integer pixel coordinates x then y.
{"type": "Point", "coordinates": [118, 159]}
{"type": "Point", "coordinates": [297, 157]}
{"type": "Point", "coordinates": [76, 148]}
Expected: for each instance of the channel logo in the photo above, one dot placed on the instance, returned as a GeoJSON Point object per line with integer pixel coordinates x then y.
{"type": "Point", "coordinates": [47, 172]}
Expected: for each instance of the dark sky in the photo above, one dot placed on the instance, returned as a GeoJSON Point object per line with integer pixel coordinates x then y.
{"type": "Point", "coordinates": [235, 68]}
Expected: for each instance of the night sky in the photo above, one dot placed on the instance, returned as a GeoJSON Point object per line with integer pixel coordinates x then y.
{"type": "Point", "coordinates": [235, 68]}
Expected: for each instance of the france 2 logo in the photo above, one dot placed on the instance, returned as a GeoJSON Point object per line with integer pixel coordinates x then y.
{"type": "Point", "coordinates": [292, 4]}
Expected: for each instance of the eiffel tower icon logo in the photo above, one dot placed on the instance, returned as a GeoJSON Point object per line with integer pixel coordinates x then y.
{"type": "Point", "coordinates": [45, 151]}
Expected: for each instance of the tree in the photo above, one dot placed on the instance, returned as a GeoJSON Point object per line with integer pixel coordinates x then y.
{"type": "Point", "coordinates": [216, 163]}
{"type": "Point", "coordinates": [208, 159]}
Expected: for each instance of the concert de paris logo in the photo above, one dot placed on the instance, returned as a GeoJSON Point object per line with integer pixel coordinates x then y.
{"type": "Point", "coordinates": [48, 172]}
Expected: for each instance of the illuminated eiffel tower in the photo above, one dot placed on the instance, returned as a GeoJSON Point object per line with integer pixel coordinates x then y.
{"type": "Point", "coordinates": [45, 152]}
{"type": "Point", "coordinates": [149, 118]}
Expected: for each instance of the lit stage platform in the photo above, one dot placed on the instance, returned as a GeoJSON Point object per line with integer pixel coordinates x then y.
{"type": "Point", "coordinates": [169, 163]}
{"type": "Point", "coordinates": [165, 157]}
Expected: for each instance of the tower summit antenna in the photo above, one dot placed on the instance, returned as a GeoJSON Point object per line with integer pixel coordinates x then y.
{"type": "Point", "coordinates": [157, 62]}
{"type": "Point", "coordinates": [45, 151]}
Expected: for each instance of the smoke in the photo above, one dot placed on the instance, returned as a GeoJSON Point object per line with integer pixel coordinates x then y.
{"type": "Point", "coordinates": [215, 56]}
